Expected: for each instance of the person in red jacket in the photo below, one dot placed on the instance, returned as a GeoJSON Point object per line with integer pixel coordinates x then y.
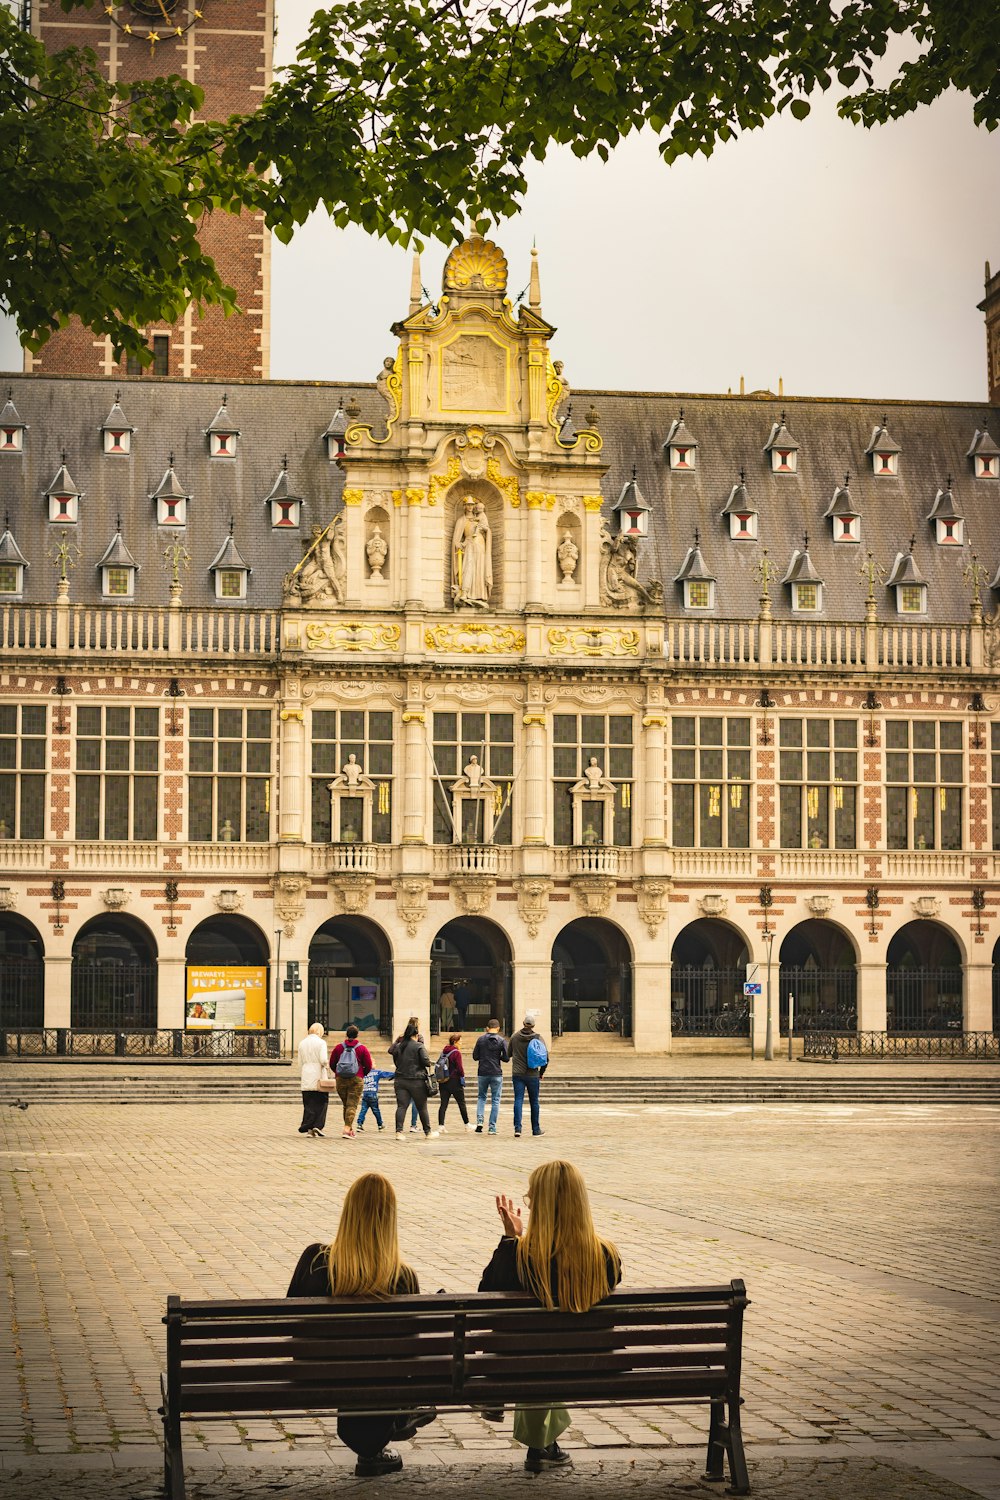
{"type": "Point", "coordinates": [350, 1061]}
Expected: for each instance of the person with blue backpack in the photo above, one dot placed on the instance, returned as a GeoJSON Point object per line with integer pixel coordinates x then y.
{"type": "Point", "coordinates": [350, 1062]}
{"type": "Point", "coordinates": [529, 1058]}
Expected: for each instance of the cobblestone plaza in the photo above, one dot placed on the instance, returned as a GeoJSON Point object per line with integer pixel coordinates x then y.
{"type": "Point", "coordinates": [866, 1236]}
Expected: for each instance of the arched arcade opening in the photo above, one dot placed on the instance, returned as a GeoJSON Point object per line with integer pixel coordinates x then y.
{"type": "Point", "coordinates": [22, 974]}
{"type": "Point", "coordinates": [472, 976]}
{"type": "Point", "coordinates": [113, 976]}
{"type": "Point", "coordinates": [350, 976]}
{"type": "Point", "coordinates": [226, 977]}
{"type": "Point", "coordinates": [709, 970]}
{"type": "Point", "coordinates": [817, 968]}
{"type": "Point", "coordinates": [923, 980]}
{"type": "Point", "coordinates": [591, 978]}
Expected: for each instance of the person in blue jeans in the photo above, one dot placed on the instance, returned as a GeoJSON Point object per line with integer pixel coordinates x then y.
{"type": "Point", "coordinates": [490, 1052]}
{"type": "Point", "coordinates": [369, 1095]}
{"type": "Point", "coordinates": [526, 1080]}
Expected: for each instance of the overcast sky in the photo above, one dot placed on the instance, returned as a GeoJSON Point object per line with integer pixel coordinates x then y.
{"type": "Point", "coordinates": [845, 262]}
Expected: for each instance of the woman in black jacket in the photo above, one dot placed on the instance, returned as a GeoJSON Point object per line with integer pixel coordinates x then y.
{"type": "Point", "coordinates": [562, 1261]}
{"type": "Point", "coordinates": [364, 1261]}
{"type": "Point", "coordinates": [410, 1083]}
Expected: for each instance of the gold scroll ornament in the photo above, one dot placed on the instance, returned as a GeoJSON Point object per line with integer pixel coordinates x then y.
{"type": "Point", "coordinates": [475, 640]}
{"type": "Point", "coordinates": [596, 642]}
{"type": "Point", "coordinates": [353, 635]}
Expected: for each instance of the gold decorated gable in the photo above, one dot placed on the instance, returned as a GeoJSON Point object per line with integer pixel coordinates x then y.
{"type": "Point", "coordinates": [475, 265]}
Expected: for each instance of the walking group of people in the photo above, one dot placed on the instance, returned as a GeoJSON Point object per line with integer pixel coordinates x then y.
{"type": "Point", "coordinates": [555, 1254]}
{"type": "Point", "coordinates": [350, 1071]}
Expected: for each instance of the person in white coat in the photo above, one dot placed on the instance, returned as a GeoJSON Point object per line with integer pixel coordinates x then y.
{"type": "Point", "coordinates": [314, 1064]}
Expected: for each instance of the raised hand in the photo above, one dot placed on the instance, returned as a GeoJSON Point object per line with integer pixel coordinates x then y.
{"type": "Point", "coordinates": [510, 1216]}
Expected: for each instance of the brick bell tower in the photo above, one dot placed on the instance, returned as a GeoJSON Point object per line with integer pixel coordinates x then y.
{"type": "Point", "coordinates": [226, 48]}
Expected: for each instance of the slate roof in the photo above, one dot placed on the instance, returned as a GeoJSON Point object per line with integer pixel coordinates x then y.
{"type": "Point", "coordinates": [279, 417]}
{"type": "Point", "coordinates": [117, 555]}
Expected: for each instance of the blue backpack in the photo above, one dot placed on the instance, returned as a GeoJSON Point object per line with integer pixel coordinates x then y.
{"type": "Point", "coordinates": [537, 1054]}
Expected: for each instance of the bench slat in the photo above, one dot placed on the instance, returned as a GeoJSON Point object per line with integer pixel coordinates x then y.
{"type": "Point", "coordinates": [584, 1337]}
{"type": "Point", "coordinates": [316, 1348]}
{"type": "Point", "coordinates": [347, 1373]}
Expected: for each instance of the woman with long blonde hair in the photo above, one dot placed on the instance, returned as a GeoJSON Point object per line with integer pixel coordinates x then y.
{"type": "Point", "coordinates": [564, 1263]}
{"type": "Point", "coordinates": [364, 1261]}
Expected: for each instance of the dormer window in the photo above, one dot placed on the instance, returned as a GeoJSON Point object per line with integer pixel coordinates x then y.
{"type": "Point", "coordinates": [783, 448]}
{"type": "Point", "coordinates": [229, 570]}
{"type": "Point", "coordinates": [681, 447]}
{"type": "Point", "coordinates": [695, 579]}
{"type": "Point", "coordinates": [909, 583]}
{"type": "Point", "coordinates": [804, 582]}
{"type": "Point", "coordinates": [844, 514]}
{"type": "Point", "coordinates": [985, 456]}
{"type": "Point", "coordinates": [169, 498]}
{"type": "Point", "coordinates": [12, 565]}
{"type": "Point", "coordinates": [116, 431]}
{"type": "Point", "coordinates": [117, 569]}
{"type": "Point", "coordinates": [631, 510]}
{"type": "Point", "coordinates": [741, 513]}
{"type": "Point", "coordinates": [63, 498]}
{"type": "Point", "coordinates": [949, 524]}
{"type": "Point", "coordinates": [222, 434]}
{"type": "Point", "coordinates": [884, 452]}
{"type": "Point", "coordinates": [12, 429]}
{"type": "Point", "coordinates": [335, 435]}
{"type": "Point", "coordinates": [284, 506]}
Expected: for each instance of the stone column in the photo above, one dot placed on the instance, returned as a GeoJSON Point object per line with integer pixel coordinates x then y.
{"type": "Point", "coordinates": [653, 803]}
{"type": "Point", "coordinates": [871, 997]}
{"type": "Point", "coordinates": [291, 773]}
{"type": "Point", "coordinates": [534, 499]}
{"type": "Point", "coordinates": [534, 778]}
{"type": "Point", "coordinates": [171, 991]}
{"type": "Point", "coordinates": [411, 992]}
{"type": "Point", "coordinates": [533, 992]}
{"type": "Point", "coordinates": [651, 1005]}
{"type": "Point", "coordinates": [354, 537]}
{"type": "Point", "coordinates": [977, 1010]}
{"type": "Point", "coordinates": [414, 547]}
{"type": "Point", "coordinates": [414, 777]}
{"type": "Point", "coordinates": [58, 980]}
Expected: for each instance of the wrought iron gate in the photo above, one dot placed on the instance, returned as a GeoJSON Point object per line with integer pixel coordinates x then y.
{"type": "Point", "coordinates": [22, 992]}
{"type": "Point", "coordinates": [825, 999]}
{"type": "Point", "coordinates": [923, 1000]}
{"type": "Point", "coordinates": [109, 994]}
{"type": "Point", "coordinates": [708, 1002]}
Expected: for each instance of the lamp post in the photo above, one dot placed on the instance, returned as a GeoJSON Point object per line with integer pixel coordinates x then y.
{"type": "Point", "coordinates": [277, 986]}
{"type": "Point", "coordinates": [766, 899]}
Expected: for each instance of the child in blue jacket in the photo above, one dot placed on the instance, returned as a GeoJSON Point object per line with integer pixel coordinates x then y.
{"type": "Point", "coordinates": [369, 1096]}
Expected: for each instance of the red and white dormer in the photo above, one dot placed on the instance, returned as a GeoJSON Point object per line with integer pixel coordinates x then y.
{"type": "Point", "coordinates": [222, 434]}
{"type": "Point", "coordinates": [783, 449]}
{"type": "Point", "coordinates": [985, 456]}
{"type": "Point", "coordinates": [12, 429]}
{"type": "Point", "coordinates": [741, 513]}
{"type": "Point", "coordinates": [843, 514]}
{"type": "Point", "coordinates": [884, 452]}
{"type": "Point", "coordinates": [284, 506]}
{"type": "Point", "coordinates": [681, 446]}
{"type": "Point", "coordinates": [170, 499]}
{"type": "Point", "coordinates": [947, 518]}
{"type": "Point", "coordinates": [63, 498]}
{"type": "Point", "coordinates": [116, 432]}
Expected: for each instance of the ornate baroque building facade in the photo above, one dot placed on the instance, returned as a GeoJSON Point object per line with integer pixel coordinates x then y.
{"type": "Point", "coordinates": [465, 694]}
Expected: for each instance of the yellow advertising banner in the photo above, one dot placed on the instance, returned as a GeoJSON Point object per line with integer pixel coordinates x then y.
{"type": "Point", "coordinates": [227, 999]}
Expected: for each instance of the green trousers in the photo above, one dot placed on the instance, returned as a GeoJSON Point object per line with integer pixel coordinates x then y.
{"type": "Point", "coordinates": [538, 1426]}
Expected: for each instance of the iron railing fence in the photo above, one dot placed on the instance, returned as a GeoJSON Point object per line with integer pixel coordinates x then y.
{"type": "Point", "coordinates": [708, 1002]}
{"type": "Point", "coordinates": [823, 999]}
{"type": "Point", "coordinates": [22, 991]}
{"type": "Point", "coordinates": [832, 1045]}
{"type": "Point", "coordinates": [927, 1000]}
{"type": "Point", "coordinates": [168, 1042]}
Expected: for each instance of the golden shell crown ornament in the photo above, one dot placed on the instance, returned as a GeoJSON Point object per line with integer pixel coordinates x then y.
{"type": "Point", "coordinates": [475, 265]}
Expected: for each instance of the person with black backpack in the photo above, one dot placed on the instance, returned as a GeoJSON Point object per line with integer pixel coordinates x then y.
{"type": "Point", "coordinates": [350, 1061]}
{"type": "Point", "coordinates": [449, 1070]}
{"type": "Point", "coordinates": [529, 1058]}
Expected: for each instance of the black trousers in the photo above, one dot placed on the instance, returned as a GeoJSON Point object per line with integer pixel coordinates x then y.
{"type": "Point", "coordinates": [368, 1435]}
{"type": "Point", "coordinates": [314, 1107]}
{"type": "Point", "coordinates": [411, 1091]}
{"type": "Point", "coordinates": [452, 1088]}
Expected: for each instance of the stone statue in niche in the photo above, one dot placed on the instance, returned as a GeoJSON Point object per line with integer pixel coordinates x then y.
{"type": "Point", "coordinates": [471, 556]}
{"type": "Point", "coordinates": [567, 555]}
{"type": "Point", "coordinates": [472, 774]}
{"type": "Point", "coordinates": [593, 779]}
{"type": "Point", "coordinates": [376, 549]}
{"type": "Point", "coordinates": [351, 777]}
{"type": "Point", "coordinates": [619, 563]}
{"type": "Point", "coordinates": [322, 575]}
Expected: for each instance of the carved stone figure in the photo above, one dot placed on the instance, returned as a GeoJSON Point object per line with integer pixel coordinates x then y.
{"type": "Point", "coordinates": [382, 381]}
{"type": "Point", "coordinates": [473, 772]}
{"type": "Point", "coordinates": [472, 556]}
{"type": "Point", "coordinates": [351, 776]}
{"type": "Point", "coordinates": [568, 555]}
{"type": "Point", "coordinates": [323, 574]}
{"type": "Point", "coordinates": [619, 584]}
{"type": "Point", "coordinates": [594, 779]}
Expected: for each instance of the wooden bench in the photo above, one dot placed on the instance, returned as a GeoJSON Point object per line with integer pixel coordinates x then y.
{"type": "Point", "coordinates": [285, 1356]}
